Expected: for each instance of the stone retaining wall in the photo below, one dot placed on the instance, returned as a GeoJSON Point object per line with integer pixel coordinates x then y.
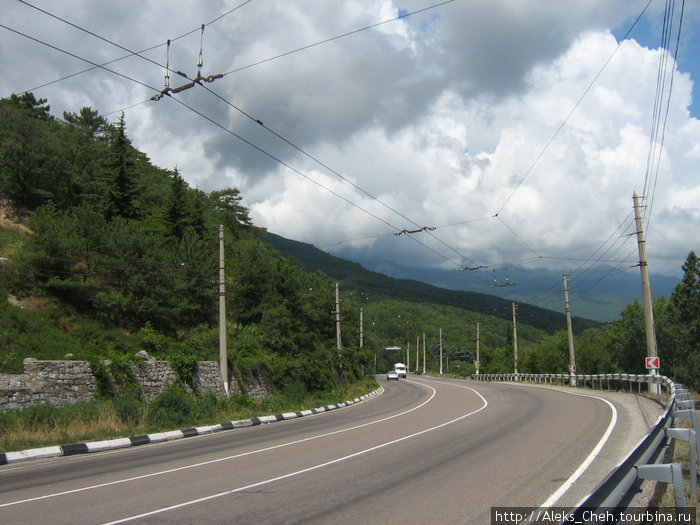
{"type": "Point", "coordinates": [60, 383]}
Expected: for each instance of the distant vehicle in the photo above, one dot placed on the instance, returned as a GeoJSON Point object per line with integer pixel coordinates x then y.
{"type": "Point", "coordinates": [400, 369]}
{"type": "Point", "coordinates": [391, 374]}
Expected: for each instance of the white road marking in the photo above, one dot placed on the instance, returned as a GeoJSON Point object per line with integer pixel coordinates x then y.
{"type": "Point", "coordinates": [591, 457]}
{"type": "Point", "coordinates": [586, 462]}
{"type": "Point", "coordinates": [309, 469]}
{"type": "Point", "coordinates": [227, 458]}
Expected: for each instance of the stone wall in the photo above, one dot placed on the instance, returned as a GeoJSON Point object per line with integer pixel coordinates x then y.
{"type": "Point", "coordinates": [47, 382]}
{"type": "Point", "coordinates": [60, 383]}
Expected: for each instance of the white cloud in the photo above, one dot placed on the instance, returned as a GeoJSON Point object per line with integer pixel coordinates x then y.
{"type": "Point", "coordinates": [438, 115]}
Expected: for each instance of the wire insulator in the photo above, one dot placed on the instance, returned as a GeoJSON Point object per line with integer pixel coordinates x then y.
{"type": "Point", "coordinates": [167, 66]}
{"type": "Point", "coordinates": [201, 41]}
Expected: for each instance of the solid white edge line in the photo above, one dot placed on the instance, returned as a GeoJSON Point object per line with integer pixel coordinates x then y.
{"type": "Point", "coordinates": [309, 469]}
{"type": "Point", "coordinates": [591, 457]}
{"type": "Point", "coordinates": [586, 462]}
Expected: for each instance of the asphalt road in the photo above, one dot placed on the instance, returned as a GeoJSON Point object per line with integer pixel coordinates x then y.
{"type": "Point", "coordinates": [425, 451]}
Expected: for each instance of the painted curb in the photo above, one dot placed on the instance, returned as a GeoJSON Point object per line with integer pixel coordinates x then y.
{"type": "Point", "coordinates": [111, 444]}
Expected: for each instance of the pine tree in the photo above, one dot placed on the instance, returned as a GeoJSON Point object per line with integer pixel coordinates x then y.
{"type": "Point", "coordinates": [685, 314]}
{"type": "Point", "coordinates": [176, 213]}
{"type": "Point", "coordinates": [230, 212]}
{"type": "Point", "coordinates": [122, 169]}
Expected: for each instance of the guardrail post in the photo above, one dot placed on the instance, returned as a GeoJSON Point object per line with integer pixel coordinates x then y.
{"type": "Point", "coordinates": [688, 435]}
{"type": "Point", "coordinates": [669, 473]}
{"type": "Point", "coordinates": [692, 415]}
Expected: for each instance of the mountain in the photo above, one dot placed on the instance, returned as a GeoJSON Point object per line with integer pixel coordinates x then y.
{"type": "Point", "coordinates": [596, 295]}
{"type": "Point", "coordinates": [599, 294]}
{"type": "Point", "coordinates": [377, 286]}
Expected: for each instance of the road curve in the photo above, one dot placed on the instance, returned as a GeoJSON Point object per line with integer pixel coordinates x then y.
{"type": "Point", "coordinates": [425, 451]}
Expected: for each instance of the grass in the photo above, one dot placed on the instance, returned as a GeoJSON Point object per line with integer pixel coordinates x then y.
{"type": "Point", "coordinates": [112, 418]}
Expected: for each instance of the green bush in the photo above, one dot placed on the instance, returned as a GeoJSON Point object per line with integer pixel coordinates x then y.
{"type": "Point", "coordinates": [40, 416]}
{"type": "Point", "coordinates": [240, 403]}
{"type": "Point", "coordinates": [171, 408]}
{"type": "Point", "coordinates": [295, 392]}
{"type": "Point", "coordinates": [77, 412]}
{"type": "Point", "coordinates": [272, 404]}
{"type": "Point", "coordinates": [104, 382]}
{"type": "Point", "coordinates": [148, 339]}
{"type": "Point", "coordinates": [8, 420]}
{"type": "Point", "coordinates": [121, 372]}
{"type": "Point", "coordinates": [128, 409]}
{"type": "Point", "coordinates": [185, 367]}
{"type": "Point", "coordinates": [207, 406]}
{"type": "Point", "coordinates": [202, 342]}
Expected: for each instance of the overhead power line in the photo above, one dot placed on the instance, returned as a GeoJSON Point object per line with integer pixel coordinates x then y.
{"type": "Point", "coordinates": [131, 53]}
{"type": "Point", "coordinates": [338, 37]}
{"type": "Point", "coordinates": [224, 128]}
{"type": "Point", "coordinates": [571, 112]}
{"type": "Point", "coordinates": [198, 80]}
{"type": "Point", "coordinates": [658, 127]}
{"type": "Point", "coordinates": [427, 229]}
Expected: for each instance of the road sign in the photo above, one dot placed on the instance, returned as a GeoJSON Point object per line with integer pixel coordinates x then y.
{"type": "Point", "coordinates": [651, 362]}
{"type": "Point", "coordinates": [572, 368]}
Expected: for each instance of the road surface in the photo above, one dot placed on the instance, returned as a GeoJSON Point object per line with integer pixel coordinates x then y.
{"type": "Point", "coordinates": [425, 451]}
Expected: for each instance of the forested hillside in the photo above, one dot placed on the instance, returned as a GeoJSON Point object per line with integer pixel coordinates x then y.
{"type": "Point", "coordinates": [105, 254]}
{"type": "Point", "coordinates": [123, 256]}
{"type": "Point", "coordinates": [355, 277]}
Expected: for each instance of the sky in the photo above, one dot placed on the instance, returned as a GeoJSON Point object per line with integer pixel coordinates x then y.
{"type": "Point", "coordinates": [444, 136]}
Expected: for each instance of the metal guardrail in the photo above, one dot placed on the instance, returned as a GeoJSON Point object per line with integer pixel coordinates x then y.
{"type": "Point", "coordinates": [622, 484]}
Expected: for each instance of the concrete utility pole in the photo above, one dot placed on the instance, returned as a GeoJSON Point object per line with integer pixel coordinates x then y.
{"type": "Point", "coordinates": [477, 348]}
{"type": "Point", "coordinates": [572, 357]}
{"type": "Point", "coordinates": [337, 325]}
{"type": "Point", "coordinates": [408, 349]}
{"type": "Point", "coordinates": [223, 360]}
{"type": "Point", "coordinates": [440, 351]}
{"type": "Point", "coordinates": [417, 347]}
{"type": "Point", "coordinates": [424, 352]}
{"type": "Point", "coordinates": [646, 293]}
{"type": "Point", "coordinates": [515, 341]}
{"type": "Point", "coordinates": [361, 342]}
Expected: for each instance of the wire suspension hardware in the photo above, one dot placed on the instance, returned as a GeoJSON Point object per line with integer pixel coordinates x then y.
{"type": "Point", "coordinates": [200, 61]}
{"type": "Point", "coordinates": [167, 67]}
{"type": "Point", "coordinates": [197, 80]}
{"type": "Point", "coordinates": [502, 285]}
{"type": "Point", "coordinates": [423, 229]}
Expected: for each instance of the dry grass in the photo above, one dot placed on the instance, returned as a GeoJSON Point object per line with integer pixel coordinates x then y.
{"type": "Point", "coordinates": [100, 423]}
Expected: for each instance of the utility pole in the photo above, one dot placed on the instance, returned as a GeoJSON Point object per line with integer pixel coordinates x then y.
{"type": "Point", "coordinates": [424, 352]}
{"type": "Point", "coordinates": [572, 357]}
{"type": "Point", "coordinates": [223, 359]}
{"type": "Point", "coordinates": [515, 342]}
{"type": "Point", "coordinates": [440, 351]}
{"type": "Point", "coordinates": [361, 342]}
{"type": "Point", "coordinates": [477, 348]}
{"type": "Point", "coordinates": [337, 326]}
{"type": "Point", "coordinates": [646, 291]}
{"type": "Point", "coordinates": [408, 349]}
{"type": "Point", "coordinates": [417, 347]}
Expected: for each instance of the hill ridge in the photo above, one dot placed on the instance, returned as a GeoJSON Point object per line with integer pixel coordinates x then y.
{"type": "Point", "coordinates": [356, 277]}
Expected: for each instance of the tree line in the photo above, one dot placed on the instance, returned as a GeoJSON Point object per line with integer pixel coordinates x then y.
{"type": "Point", "coordinates": [619, 346]}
